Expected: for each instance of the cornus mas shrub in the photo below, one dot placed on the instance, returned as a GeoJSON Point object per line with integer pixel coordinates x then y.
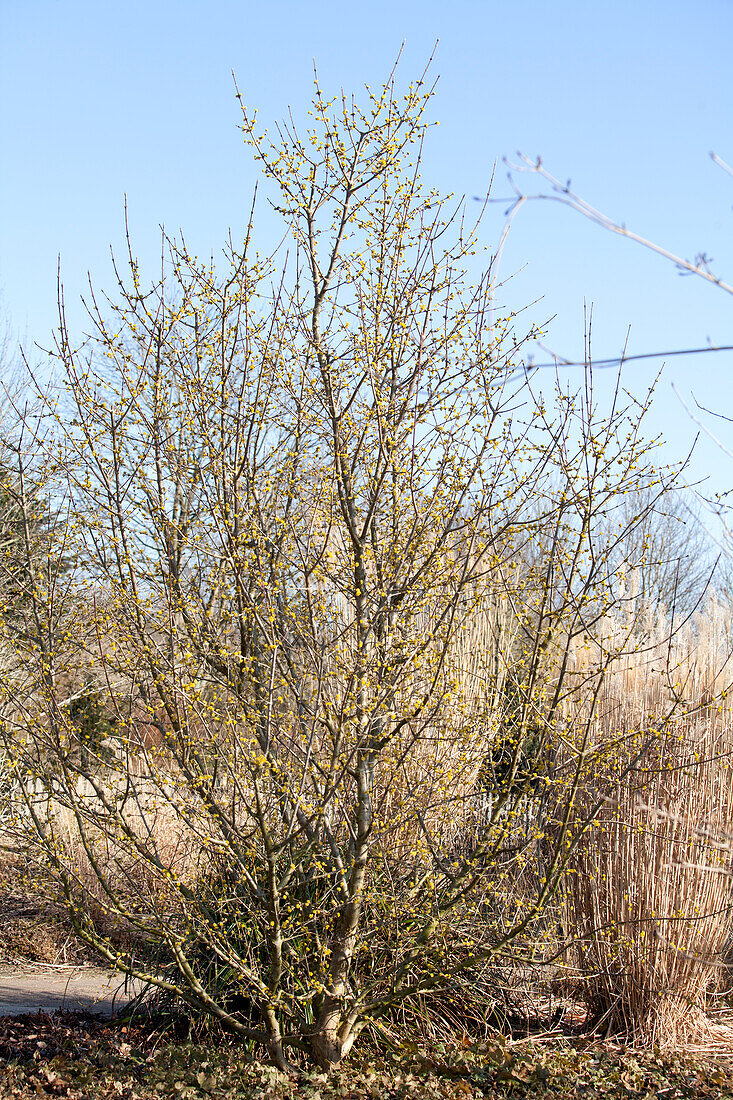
{"type": "Point", "coordinates": [332, 556]}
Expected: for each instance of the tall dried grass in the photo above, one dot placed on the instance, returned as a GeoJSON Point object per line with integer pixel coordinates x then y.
{"type": "Point", "coordinates": [649, 891]}
{"type": "Point", "coordinates": [432, 772]}
{"type": "Point", "coordinates": [127, 827]}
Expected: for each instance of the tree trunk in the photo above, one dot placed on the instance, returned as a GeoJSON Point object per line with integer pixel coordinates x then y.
{"type": "Point", "coordinates": [333, 1037]}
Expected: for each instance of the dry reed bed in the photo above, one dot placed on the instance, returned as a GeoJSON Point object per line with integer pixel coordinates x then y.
{"type": "Point", "coordinates": [649, 890]}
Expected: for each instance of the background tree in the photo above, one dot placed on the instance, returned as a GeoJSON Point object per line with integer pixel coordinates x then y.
{"type": "Point", "coordinates": [701, 267]}
{"type": "Point", "coordinates": [667, 562]}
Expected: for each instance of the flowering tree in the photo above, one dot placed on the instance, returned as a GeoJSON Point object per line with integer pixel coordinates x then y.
{"type": "Point", "coordinates": [302, 495]}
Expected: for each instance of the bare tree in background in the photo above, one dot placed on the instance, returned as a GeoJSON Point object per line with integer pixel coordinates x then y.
{"type": "Point", "coordinates": [700, 266]}
{"type": "Point", "coordinates": [665, 555]}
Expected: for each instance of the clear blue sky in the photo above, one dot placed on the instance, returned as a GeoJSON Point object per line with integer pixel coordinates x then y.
{"type": "Point", "coordinates": [100, 99]}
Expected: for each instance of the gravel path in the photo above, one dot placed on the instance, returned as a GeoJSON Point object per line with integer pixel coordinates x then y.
{"type": "Point", "coordinates": [83, 989]}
